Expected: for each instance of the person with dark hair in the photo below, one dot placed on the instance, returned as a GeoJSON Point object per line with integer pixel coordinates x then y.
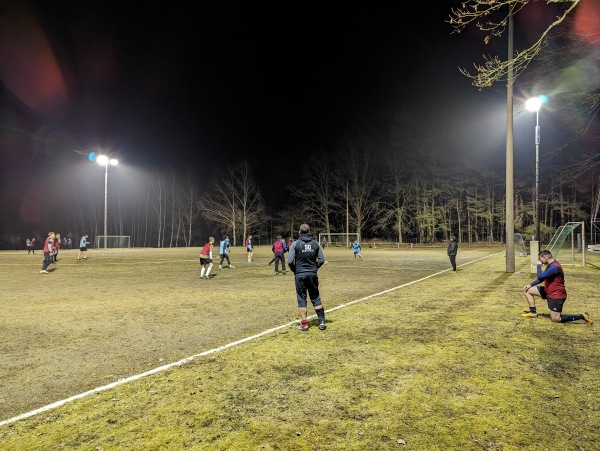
{"type": "Point", "coordinates": [47, 253]}
{"type": "Point", "coordinates": [224, 246]}
{"type": "Point", "coordinates": [83, 247]}
{"type": "Point", "coordinates": [304, 259]}
{"type": "Point", "coordinates": [55, 248]}
{"type": "Point", "coordinates": [279, 249]}
{"type": "Point", "coordinates": [249, 248]}
{"type": "Point", "coordinates": [554, 291]}
{"type": "Point", "coordinates": [452, 251]}
{"type": "Point", "coordinates": [31, 246]}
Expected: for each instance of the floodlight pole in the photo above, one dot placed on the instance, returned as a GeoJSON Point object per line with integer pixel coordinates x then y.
{"type": "Point", "coordinates": [105, 204]}
{"type": "Point", "coordinates": [510, 199]}
{"type": "Point", "coordinates": [537, 174]}
{"type": "Point", "coordinates": [535, 104]}
{"type": "Point", "coordinates": [103, 160]}
{"type": "Point", "coordinates": [347, 221]}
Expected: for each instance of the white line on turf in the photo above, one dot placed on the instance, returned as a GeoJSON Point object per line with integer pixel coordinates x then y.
{"type": "Point", "coordinates": [211, 351]}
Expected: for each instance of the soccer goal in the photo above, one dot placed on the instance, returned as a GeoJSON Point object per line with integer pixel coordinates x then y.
{"type": "Point", "coordinates": [568, 244]}
{"type": "Point", "coordinates": [519, 242]}
{"type": "Point", "coordinates": [338, 239]}
{"type": "Point", "coordinates": [107, 241]}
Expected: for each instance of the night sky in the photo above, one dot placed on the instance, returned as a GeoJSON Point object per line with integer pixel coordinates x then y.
{"type": "Point", "coordinates": [201, 86]}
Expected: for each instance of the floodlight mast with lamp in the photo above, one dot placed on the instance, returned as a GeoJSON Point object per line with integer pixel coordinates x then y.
{"type": "Point", "coordinates": [535, 104]}
{"type": "Point", "coordinates": [103, 160]}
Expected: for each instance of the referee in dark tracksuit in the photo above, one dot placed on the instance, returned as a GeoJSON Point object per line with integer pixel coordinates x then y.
{"type": "Point", "coordinates": [452, 251]}
{"type": "Point", "coordinates": [304, 259]}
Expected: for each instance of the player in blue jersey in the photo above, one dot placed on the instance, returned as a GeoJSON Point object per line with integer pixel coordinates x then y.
{"type": "Point", "coordinates": [356, 247]}
{"type": "Point", "coordinates": [224, 252]}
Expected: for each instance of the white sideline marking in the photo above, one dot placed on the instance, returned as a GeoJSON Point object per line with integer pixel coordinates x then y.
{"type": "Point", "coordinates": [212, 351]}
{"type": "Point", "coordinates": [401, 286]}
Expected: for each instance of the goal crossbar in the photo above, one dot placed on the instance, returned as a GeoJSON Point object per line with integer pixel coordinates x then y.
{"type": "Point", "coordinates": [338, 238]}
{"type": "Point", "coordinates": [112, 241]}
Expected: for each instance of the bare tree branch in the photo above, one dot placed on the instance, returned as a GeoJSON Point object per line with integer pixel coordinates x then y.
{"type": "Point", "coordinates": [494, 68]}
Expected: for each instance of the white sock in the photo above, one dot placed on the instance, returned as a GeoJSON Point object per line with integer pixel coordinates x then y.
{"type": "Point", "coordinates": [208, 271]}
{"type": "Point", "coordinates": [202, 272]}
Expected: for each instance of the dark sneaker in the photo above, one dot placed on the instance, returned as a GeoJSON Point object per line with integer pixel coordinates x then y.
{"type": "Point", "coordinates": [587, 319]}
{"type": "Point", "coordinates": [529, 315]}
{"type": "Point", "coordinates": [322, 326]}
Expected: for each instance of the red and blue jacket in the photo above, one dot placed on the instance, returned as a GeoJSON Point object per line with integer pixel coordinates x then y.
{"type": "Point", "coordinates": [554, 280]}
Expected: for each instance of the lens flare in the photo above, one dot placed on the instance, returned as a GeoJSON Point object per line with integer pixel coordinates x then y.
{"type": "Point", "coordinates": [587, 21]}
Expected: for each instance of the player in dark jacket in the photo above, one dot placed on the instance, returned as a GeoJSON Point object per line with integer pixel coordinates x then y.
{"type": "Point", "coordinates": [452, 251]}
{"type": "Point", "coordinates": [554, 291]}
{"type": "Point", "coordinates": [304, 259]}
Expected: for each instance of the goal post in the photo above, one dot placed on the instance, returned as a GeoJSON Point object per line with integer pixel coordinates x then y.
{"type": "Point", "coordinates": [568, 242]}
{"type": "Point", "coordinates": [338, 239]}
{"type": "Point", "coordinates": [112, 241]}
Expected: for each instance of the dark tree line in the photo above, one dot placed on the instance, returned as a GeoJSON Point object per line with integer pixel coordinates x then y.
{"type": "Point", "coordinates": [401, 192]}
{"type": "Point", "coordinates": [401, 189]}
{"type": "Point", "coordinates": [418, 197]}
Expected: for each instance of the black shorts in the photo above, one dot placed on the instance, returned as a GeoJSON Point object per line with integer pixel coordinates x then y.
{"type": "Point", "coordinates": [555, 305]}
{"type": "Point", "coordinates": [307, 283]}
{"type": "Point", "coordinates": [205, 261]}
{"type": "Point", "coordinates": [83, 249]}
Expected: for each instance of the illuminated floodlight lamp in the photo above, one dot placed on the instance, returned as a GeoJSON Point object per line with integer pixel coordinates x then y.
{"type": "Point", "coordinates": [533, 104]}
{"type": "Point", "coordinates": [103, 160]}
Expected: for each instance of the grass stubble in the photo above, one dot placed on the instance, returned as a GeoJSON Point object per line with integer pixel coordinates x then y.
{"type": "Point", "coordinates": [445, 363]}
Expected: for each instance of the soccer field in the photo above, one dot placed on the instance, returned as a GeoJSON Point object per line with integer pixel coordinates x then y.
{"type": "Point", "coordinates": [125, 311]}
{"type": "Point", "coordinates": [399, 325]}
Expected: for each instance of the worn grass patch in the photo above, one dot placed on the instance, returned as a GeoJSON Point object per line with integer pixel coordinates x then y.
{"type": "Point", "coordinates": [445, 363]}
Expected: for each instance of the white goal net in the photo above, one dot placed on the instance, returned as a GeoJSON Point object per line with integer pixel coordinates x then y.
{"type": "Point", "coordinates": [110, 242]}
{"type": "Point", "coordinates": [568, 244]}
{"type": "Point", "coordinates": [338, 239]}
